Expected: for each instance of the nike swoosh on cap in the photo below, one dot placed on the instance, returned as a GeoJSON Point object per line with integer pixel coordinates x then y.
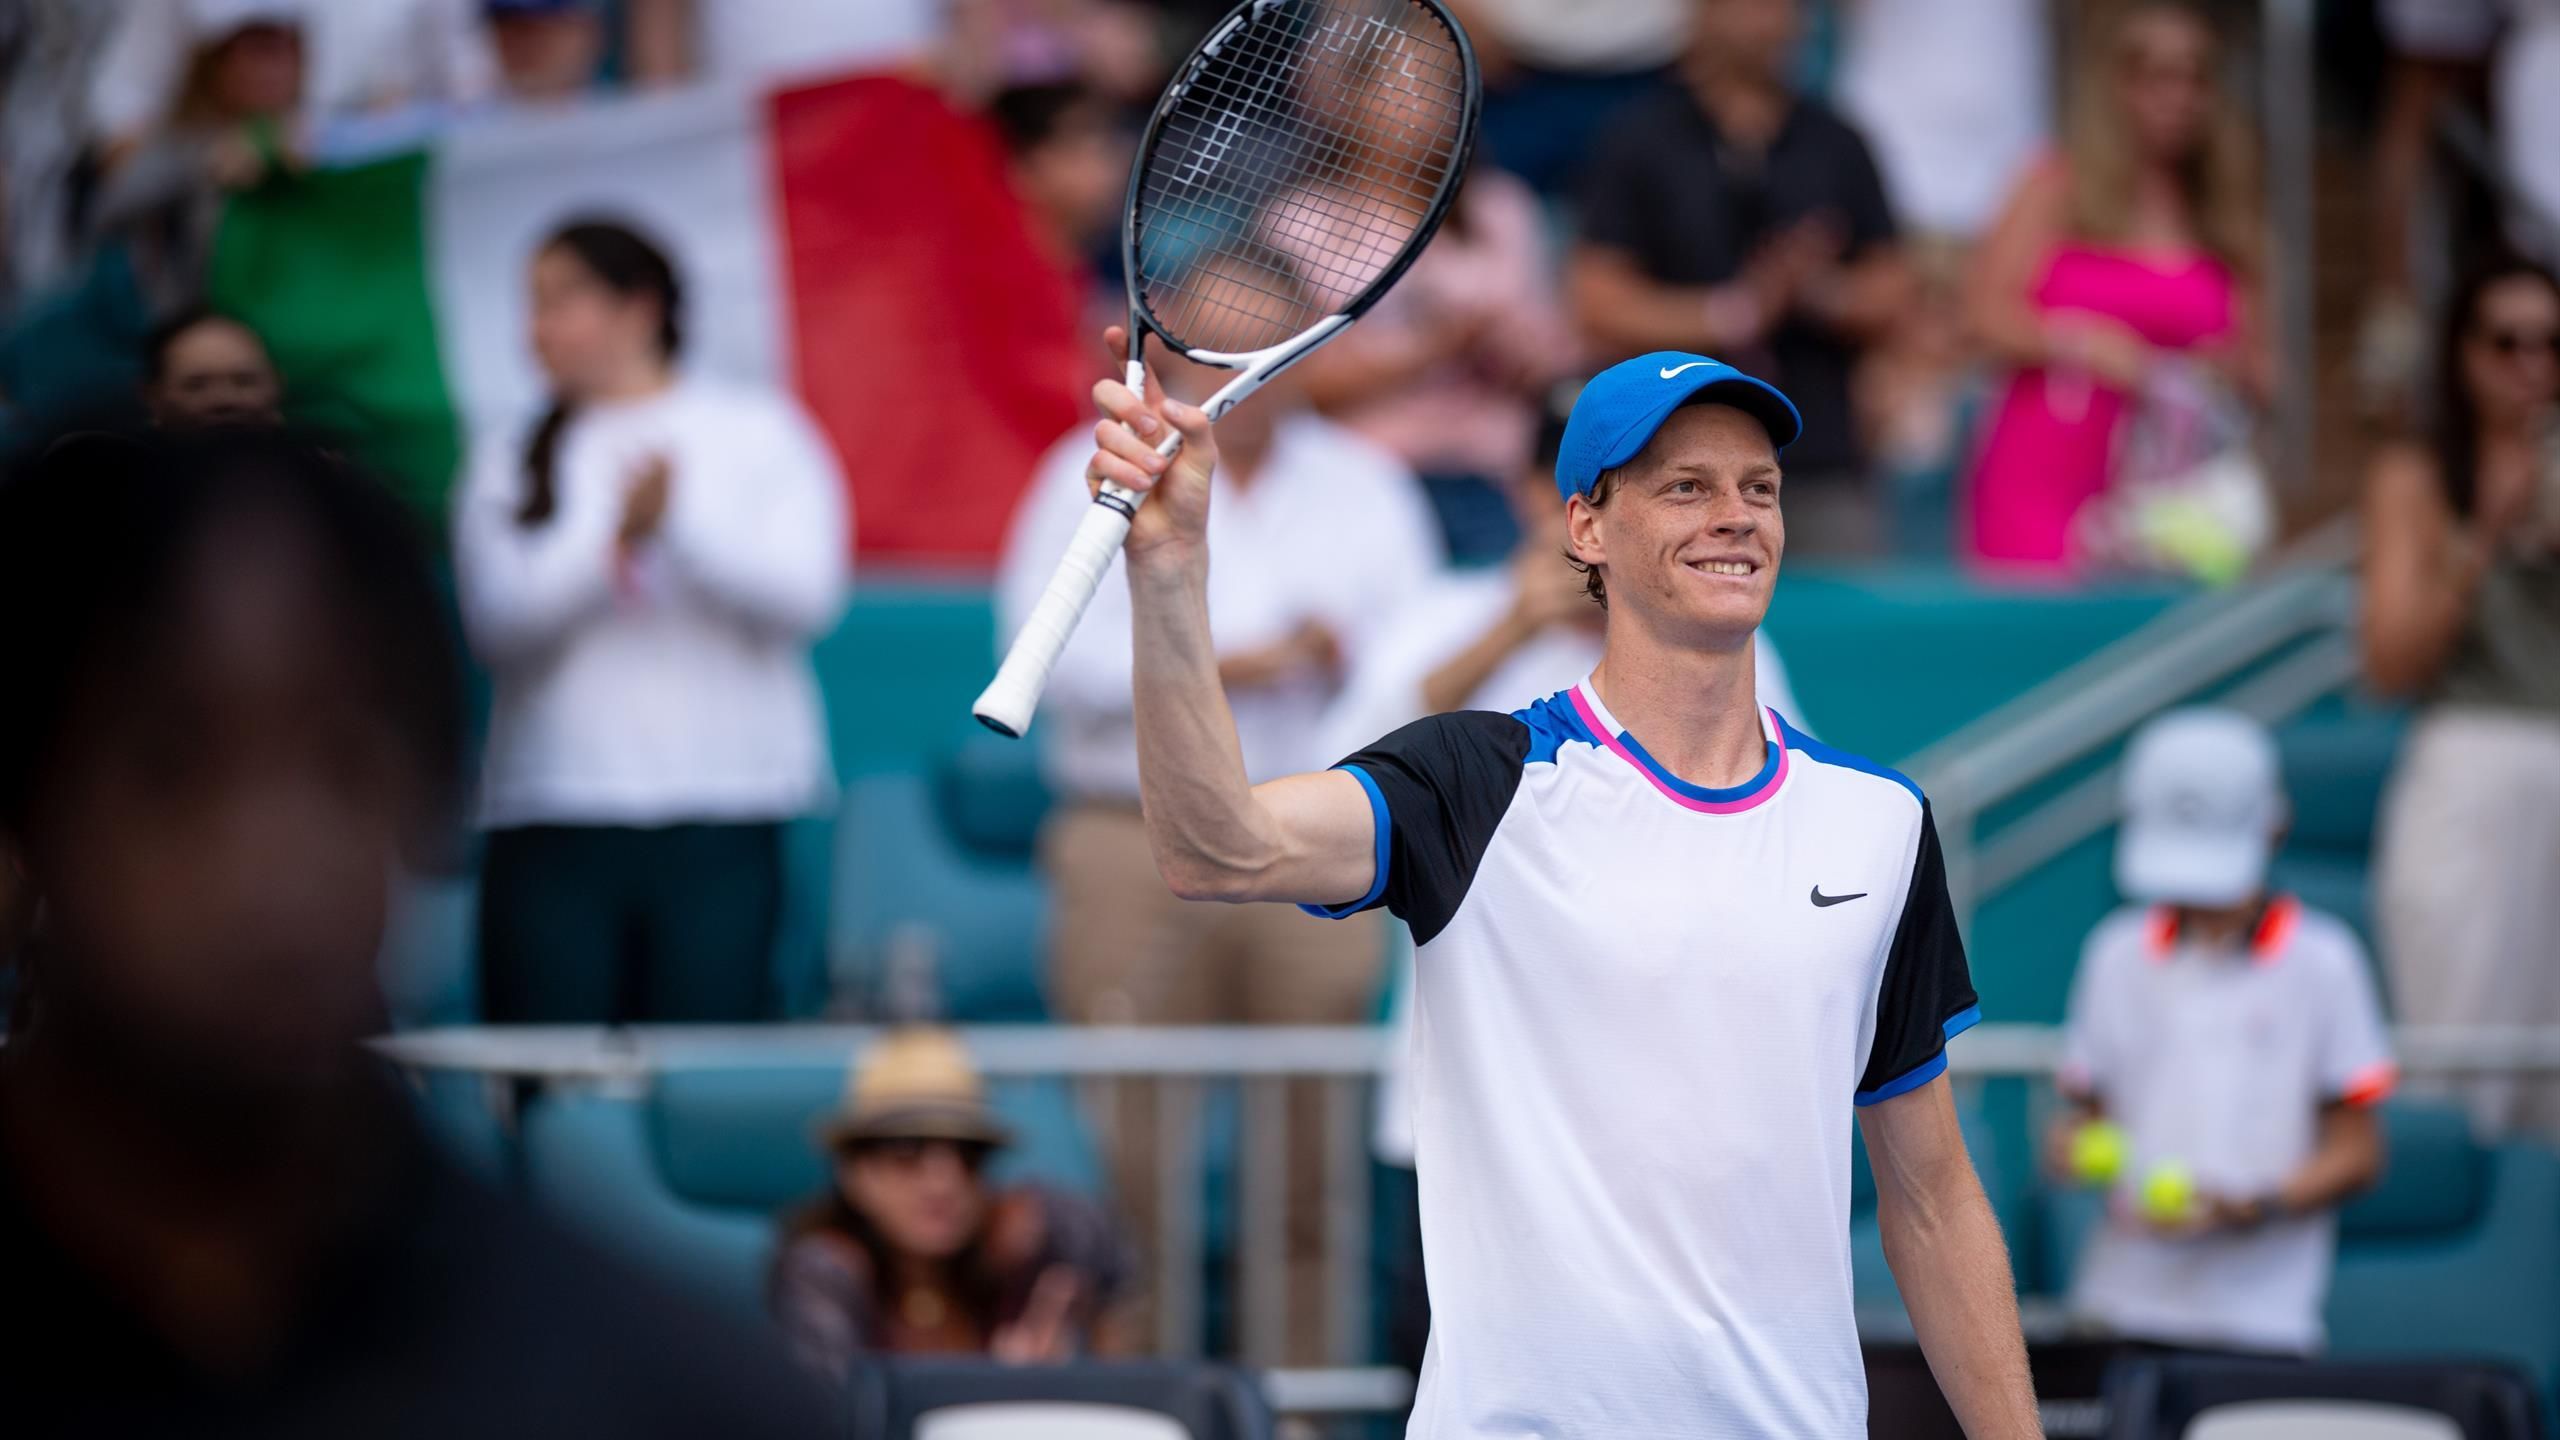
{"type": "Point", "coordinates": [1674, 371]}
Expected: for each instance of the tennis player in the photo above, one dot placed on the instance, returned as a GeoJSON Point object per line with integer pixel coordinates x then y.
{"type": "Point", "coordinates": [1666, 942]}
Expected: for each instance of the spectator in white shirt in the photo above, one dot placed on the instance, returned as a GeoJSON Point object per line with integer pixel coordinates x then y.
{"type": "Point", "coordinates": [643, 579]}
{"type": "Point", "coordinates": [2234, 1038]}
{"type": "Point", "coordinates": [1321, 538]}
{"type": "Point", "coordinates": [365, 56]}
{"type": "Point", "coordinates": [1953, 96]}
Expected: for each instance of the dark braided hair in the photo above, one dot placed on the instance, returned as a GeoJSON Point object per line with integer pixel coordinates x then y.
{"type": "Point", "coordinates": [627, 263]}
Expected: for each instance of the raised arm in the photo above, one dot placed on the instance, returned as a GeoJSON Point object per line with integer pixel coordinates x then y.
{"type": "Point", "coordinates": [2422, 572]}
{"type": "Point", "coordinates": [1308, 838]}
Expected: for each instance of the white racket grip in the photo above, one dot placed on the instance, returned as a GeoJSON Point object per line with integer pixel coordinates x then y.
{"type": "Point", "coordinates": [1009, 699]}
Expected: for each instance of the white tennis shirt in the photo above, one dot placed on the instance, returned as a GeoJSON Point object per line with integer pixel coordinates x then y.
{"type": "Point", "coordinates": [2220, 1060]}
{"type": "Point", "coordinates": [1643, 1011]}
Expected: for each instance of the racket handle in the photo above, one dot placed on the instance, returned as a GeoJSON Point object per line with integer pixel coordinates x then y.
{"type": "Point", "coordinates": [1010, 698]}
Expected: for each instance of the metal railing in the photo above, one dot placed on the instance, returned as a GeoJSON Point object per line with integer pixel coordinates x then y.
{"type": "Point", "coordinates": [1185, 1062]}
{"type": "Point", "coordinates": [627, 1057]}
{"type": "Point", "coordinates": [2294, 629]}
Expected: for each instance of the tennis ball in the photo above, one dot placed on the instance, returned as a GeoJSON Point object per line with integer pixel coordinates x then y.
{"type": "Point", "coordinates": [2168, 1193]}
{"type": "Point", "coordinates": [2190, 535]}
{"type": "Point", "coordinates": [2098, 1152]}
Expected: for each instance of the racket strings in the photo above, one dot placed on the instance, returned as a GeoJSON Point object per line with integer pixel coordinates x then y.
{"type": "Point", "coordinates": [1361, 183]}
{"type": "Point", "coordinates": [1304, 154]}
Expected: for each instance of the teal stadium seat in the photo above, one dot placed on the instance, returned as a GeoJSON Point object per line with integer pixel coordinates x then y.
{"type": "Point", "coordinates": [689, 1176]}
{"type": "Point", "coordinates": [945, 855]}
{"type": "Point", "coordinates": [2337, 758]}
{"type": "Point", "coordinates": [2454, 1253]}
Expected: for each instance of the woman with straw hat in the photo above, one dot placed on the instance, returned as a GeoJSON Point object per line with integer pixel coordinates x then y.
{"type": "Point", "coordinates": [912, 1250]}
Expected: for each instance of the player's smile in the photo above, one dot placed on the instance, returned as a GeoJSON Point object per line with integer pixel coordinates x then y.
{"type": "Point", "coordinates": [1723, 567]}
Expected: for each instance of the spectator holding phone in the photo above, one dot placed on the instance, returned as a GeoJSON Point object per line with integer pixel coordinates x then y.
{"type": "Point", "coordinates": [644, 577]}
{"type": "Point", "coordinates": [2462, 613]}
{"type": "Point", "coordinates": [2231, 1037]}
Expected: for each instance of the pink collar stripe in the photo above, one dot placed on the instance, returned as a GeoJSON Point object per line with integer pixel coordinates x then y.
{"type": "Point", "coordinates": [1606, 732]}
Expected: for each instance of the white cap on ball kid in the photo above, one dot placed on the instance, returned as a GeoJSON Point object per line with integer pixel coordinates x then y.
{"type": "Point", "coordinates": [2203, 806]}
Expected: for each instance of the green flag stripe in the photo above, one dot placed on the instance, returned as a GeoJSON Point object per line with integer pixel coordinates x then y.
{"type": "Point", "coordinates": [331, 267]}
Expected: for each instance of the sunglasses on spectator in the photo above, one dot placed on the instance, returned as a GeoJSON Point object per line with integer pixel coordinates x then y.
{"type": "Point", "coordinates": [2513, 343]}
{"type": "Point", "coordinates": [908, 1154]}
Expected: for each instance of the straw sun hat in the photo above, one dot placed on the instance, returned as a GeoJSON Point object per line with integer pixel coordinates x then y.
{"type": "Point", "coordinates": [914, 1084]}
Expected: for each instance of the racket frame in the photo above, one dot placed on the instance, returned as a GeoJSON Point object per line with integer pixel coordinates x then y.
{"type": "Point", "coordinates": [1006, 705]}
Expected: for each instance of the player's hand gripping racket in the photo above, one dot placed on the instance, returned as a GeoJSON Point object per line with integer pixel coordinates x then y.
{"type": "Point", "coordinates": [1299, 161]}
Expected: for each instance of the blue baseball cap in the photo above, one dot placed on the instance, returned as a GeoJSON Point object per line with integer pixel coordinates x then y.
{"type": "Point", "coordinates": [1617, 413]}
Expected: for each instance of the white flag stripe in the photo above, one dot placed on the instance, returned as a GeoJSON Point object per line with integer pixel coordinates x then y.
{"type": "Point", "coordinates": [692, 169]}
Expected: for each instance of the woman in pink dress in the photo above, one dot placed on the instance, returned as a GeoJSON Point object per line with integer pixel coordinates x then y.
{"type": "Point", "coordinates": [2139, 241]}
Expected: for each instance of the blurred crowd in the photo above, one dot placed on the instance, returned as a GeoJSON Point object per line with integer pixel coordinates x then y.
{"type": "Point", "coordinates": [2011, 258]}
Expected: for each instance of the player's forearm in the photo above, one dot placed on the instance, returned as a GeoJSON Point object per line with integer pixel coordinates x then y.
{"type": "Point", "coordinates": [1211, 837]}
{"type": "Point", "coordinates": [1953, 1270]}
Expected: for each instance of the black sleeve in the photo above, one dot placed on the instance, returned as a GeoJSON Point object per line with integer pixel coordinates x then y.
{"type": "Point", "coordinates": [1927, 995]}
{"type": "Point", "coordinates": [1868, 213]}
{"type": "Point", "coordinates": [1438, 788]}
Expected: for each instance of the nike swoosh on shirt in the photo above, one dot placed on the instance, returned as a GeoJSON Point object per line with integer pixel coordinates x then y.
{"type": "Point", "coordinates": [1673, 370]}
{"type": "Point", "coordinates": [1821, 900]}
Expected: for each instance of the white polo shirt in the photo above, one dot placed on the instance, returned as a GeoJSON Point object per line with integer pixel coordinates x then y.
{"type": "Point", "coordinates": [1643, 1011]}
{"type": "Point", "coordinates": [2220, 1060]}
{"type": "Point", "coordinates": [1332, 529]}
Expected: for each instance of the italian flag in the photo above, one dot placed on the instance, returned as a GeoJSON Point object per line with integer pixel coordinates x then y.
{"type": "Point", "coordinates": [852, 241]}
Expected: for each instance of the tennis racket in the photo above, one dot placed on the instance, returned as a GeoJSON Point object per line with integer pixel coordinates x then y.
{"type": "Point", "coordinates": [1300, 160]}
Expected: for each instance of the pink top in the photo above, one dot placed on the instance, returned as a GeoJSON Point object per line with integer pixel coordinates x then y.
{"type": "Point", "coordinates": [1460, 417]}
{"type": "Point", "coordinates": [2052, 439]}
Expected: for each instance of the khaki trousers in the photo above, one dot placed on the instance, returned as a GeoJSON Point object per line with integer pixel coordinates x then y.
{"type": "Point", "coordinates": [1124, 950]}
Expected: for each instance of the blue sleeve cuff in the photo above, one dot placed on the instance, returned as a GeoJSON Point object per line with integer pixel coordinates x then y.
{"type": "Point", "coordinates": [1929, 1069]}
{"type": "Point", "coordinates": [1384, 828]}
